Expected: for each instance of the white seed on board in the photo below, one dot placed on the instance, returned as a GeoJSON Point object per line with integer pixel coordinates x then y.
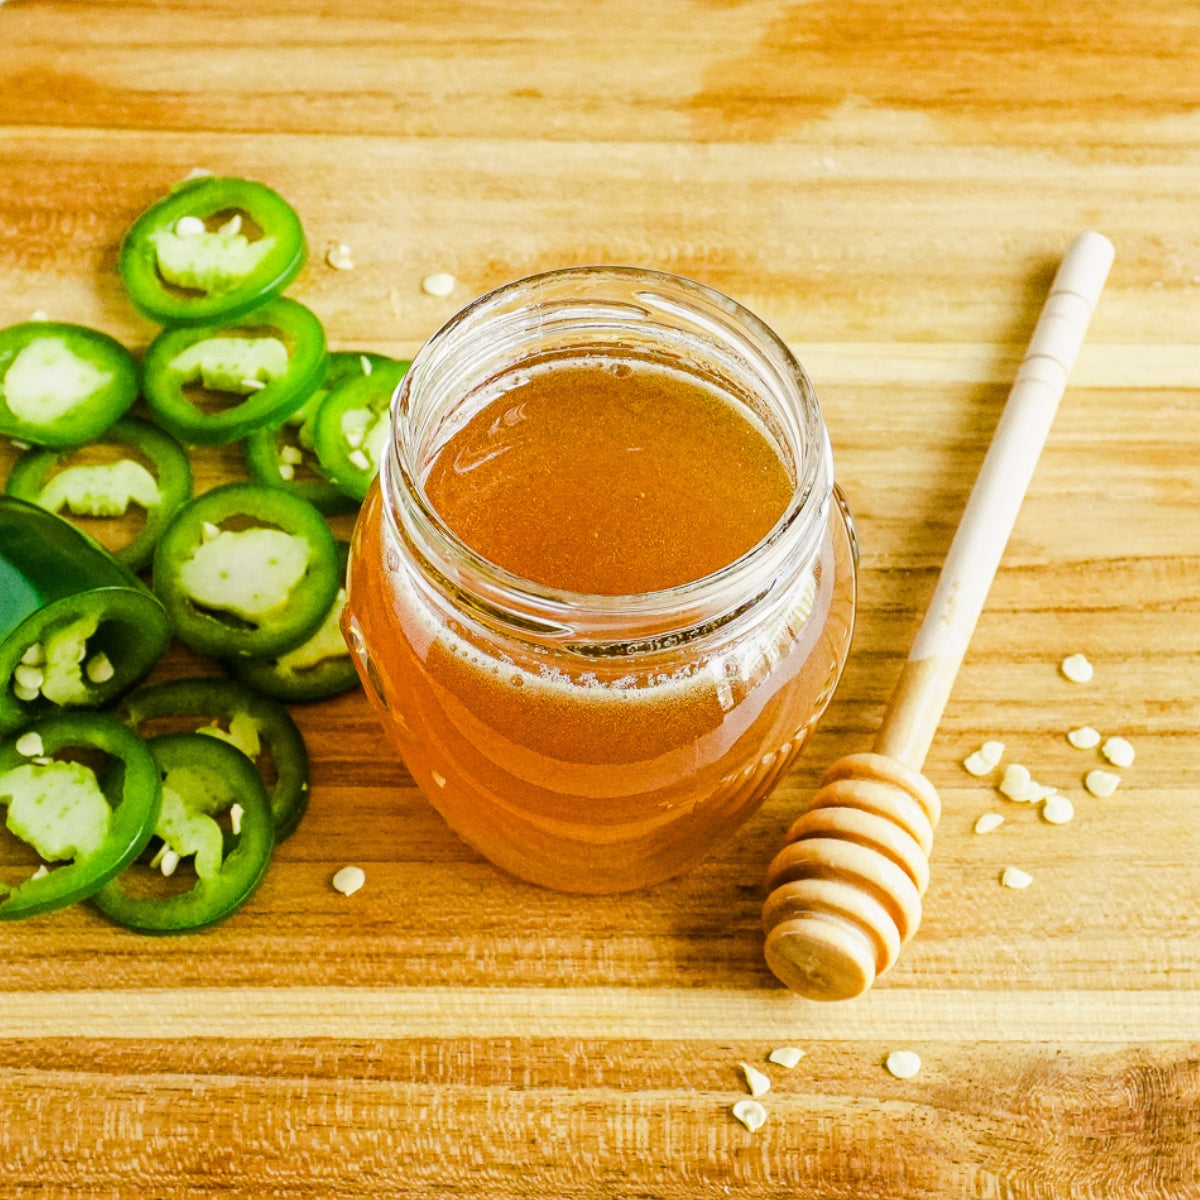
{"type": "Point", "coordinates": [1014, 877]}
{"type": "Point", "coordinates": [236, 813]}
{"type": "Point", "coordinates": [786, 1056]}
{"type": "Point", "coordinates": [24, 693]}
{"type": "Point", "coordinates": [189, 227]}
{"type": "Point", "coordinates": [29, 745]}
{"type": "Point", "coordinates": [39, 314]}
{"type": "Point", "coordinates": [977, 765]}
{"type": "Point", "coordinates": [359, 459]}
{"type": "Point", "coordinates": [34, 656]}
{"type": "Point", "coordinates": [41, 872]}
{"type": "Point", "coordinates": [169, 862]}
{"type": "Point", "coordinates": [1084, 738]}
{"type": "Point", "coordinates": [208, 531]}
{"type": "Point", "coordinates": [440, 283]}
{"type": "Point", "coordinates": [348, 880]}
{"type": "Point", "coordinates": [291, 454]}
{"type": "Point", "coordinates": [1101, 783]}
{"type": "Point", "coordinates": [1118, 751]}
{"type": "Point", "coordinates": [758, 1083]}
{"type": "Point", "coordinates": [232, 226]}
{"type": "Point", "coordinates": [750, 1113]}
{"type": "Point", "coordinates": [253, 385]}
{"type": "Point", "coordinates": [99, 668]}
{"type": "Point", "coordinates": [287, 471]}
{"type": "Point", "coordinates": [904, 1064]}
{"type": "Point", "coordinates": [1016, 783]}
{"type": "Point", "coordinates": [988, 821]}
{"type": "Point", "coordinates": [1057, 810]}
{"type": "Point", "coordinates": [338, 256]}
{"type": "Point", "coordinates": [196, 173]}
{"type": "Point", "coordinates": [1077, 668]}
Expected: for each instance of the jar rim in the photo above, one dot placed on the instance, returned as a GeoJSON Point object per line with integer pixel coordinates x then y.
{"type": "Point", "coordinates": [536, 606]}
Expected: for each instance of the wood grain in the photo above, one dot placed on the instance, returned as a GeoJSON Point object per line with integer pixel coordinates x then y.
{"type": "Point", "coordinates": [890, 186]}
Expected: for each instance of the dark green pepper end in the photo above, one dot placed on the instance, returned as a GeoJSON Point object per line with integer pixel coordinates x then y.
{"type": "Point", "coordinates": [213, 266]}
{"type": "Point", "coordinates": [76, 627]}
{"type": "Point", "coordinates": [316, 669]}
{"type": "Point", "coordinates": [257, 588]}
{"type": "Point", "coordinates": [62, 384]}
{"type": "Point", "coordinates": [267, 363]}
{"type": "Point", "coordinates": [202, 778]}
{"type": "Point", "coordinates": [107, 489]}
{"type": "Point", "coordinates": [65, 811]}
{"type": "Point", "coordinates": [263, 722]}
{"type": "Point", "coordinates": [351, 431]}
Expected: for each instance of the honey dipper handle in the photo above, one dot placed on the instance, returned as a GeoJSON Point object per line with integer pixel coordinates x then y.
{"type": "Point", "coordinates": [924, 687]}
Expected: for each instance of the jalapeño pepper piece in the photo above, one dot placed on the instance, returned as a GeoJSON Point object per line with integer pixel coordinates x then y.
{"type": "Point", "coordinates": [76, 627]}
{"type": "Point", "coordinates": [66, 811]}
{"type": "Point", "coordinates": [213, 248]}
{"type": "Point", "coordinates": [106, 489]}
{"type": "Point", "coordinates": [201, 779]}
{"type": "Point", "coordinates": [253, 723]}
{"type": "Point", "coordinates": [246, 570]}
{"type": "Point", "coordinates": [62, 384]}
{"type": "Point", "coordinates": [317, 668]}
{"type": "Point", "coordinates": [352, 428]}
{"type": "Point", "coordinates": [268, 363]}
{"type": "Point", "coordinates": [275, 455]}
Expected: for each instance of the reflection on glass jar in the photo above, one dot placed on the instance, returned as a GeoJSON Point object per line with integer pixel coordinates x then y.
{"type": "Point", "coordinates": [603, 589]}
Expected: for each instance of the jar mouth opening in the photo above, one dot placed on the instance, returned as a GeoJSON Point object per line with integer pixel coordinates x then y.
{"type": "Point", "coordinates": [591, 299]}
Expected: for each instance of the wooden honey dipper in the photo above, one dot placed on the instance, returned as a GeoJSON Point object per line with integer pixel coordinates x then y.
{"type": "Point", "coordinates": [845, 890]}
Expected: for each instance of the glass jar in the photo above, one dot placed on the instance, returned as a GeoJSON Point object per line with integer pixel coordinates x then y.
{"type": "Point", "coordinates": [599, 743]}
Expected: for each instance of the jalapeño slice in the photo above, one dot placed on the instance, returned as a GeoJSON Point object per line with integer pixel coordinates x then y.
{"type": "Point", "coordinates": [213, 248]}
{"type": "Point", "coordinates": [62, 384]}
{"type": "Point", "coordinates": [202, 779]}
{"type": "Point", "coordinates": [279, 456]}
{"type": "Point", "coordinates": [352, 428]}
{"type": "Point", "coordinates": [97, 821]}
{"type": "Point", "coordinates": [246, 571]}
{"type": "Point", "coordinates": [264, 365]}
{"type": "Point", "coordinates": [252, 723]}
{"type": "Point", "coordinates": [107, 489]}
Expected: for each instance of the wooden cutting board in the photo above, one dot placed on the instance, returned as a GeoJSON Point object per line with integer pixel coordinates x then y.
{"type": "Point", "coordinates": [890, 187]}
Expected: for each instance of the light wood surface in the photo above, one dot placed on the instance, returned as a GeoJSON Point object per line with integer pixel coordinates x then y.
{"type": "Point", "coordinates": [891, 187]}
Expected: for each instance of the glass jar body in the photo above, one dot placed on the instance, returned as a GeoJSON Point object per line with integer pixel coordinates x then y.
{"type": "Point", "coordinates": [598, 744]}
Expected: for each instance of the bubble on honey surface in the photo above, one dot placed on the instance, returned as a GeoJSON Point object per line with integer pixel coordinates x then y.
{"type": "Point", "coordinates": [620, 370]}
{"type": "Point", "coordinates": [516, 681]}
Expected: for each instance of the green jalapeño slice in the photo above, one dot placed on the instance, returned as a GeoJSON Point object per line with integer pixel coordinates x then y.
{"type": "Point", "coordinates": [96, 820]}
{"type": "Point", "coordinates": [62, 384]}
{"type": "Point", "coordinates": [203, 782]}
{"type": "Point", "coordinates": [246, 571]}
{"type": "Point", "coordinates": [213, 248]}
{"type": "Point", "coordinates": [282, 456]}
{"type": "Point", "coordinates": [258, 726]}
{"type": "Point", "coordinates": [213, 384]}
{"type": "Point", "coordinates": [352, 428]}
{"type": "Point", "coordinates": [110, 478]}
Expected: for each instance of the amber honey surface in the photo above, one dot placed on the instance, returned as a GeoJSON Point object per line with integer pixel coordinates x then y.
{"type": "Point", "coordinates": [610, 479]}
{"type": "Point", "coordinates": [599, 773]}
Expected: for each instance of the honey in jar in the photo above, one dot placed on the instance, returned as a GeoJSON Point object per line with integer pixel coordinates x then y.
{"type": "Point", "coordinates": [603, 589]}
